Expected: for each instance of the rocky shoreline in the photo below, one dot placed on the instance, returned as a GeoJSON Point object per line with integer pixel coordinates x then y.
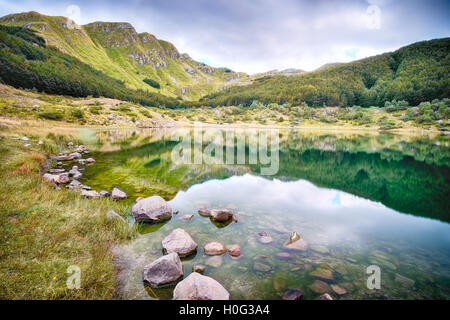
{"type": "Point", "coordinates": [167, 270]}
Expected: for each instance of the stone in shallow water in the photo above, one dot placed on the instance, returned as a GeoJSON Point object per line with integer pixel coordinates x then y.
{"type": "Point", "coordinates": [187, 217]}
{"type": "Point", "coordinates": [293, 294]}
{"type": "Point", "coordinates": [164, 270]}
{"type": "Point", "coordinates": [179, 241]}
{"type": "Point", "coordinates": [296, 243]}
{"type": "Point", "coordinates": [221, 215]}
{"type": "Point", "coordinates": [204, 212]}
{"type": "Point", "coordinates": [199, 287]}
{"type": "Point", "coordinates": [325, 296]}
{"type": "Point", "coordinates": [284, 256]}
{"type": "Point", "coordinates": [320, 249]}
{"type": "Point", "coordinates": [319, 287]}
{"type": "Point", "coordinates": [151, 210]}
{"type": "Point", "coordinates": [214, 248]}
{"type": "Point", "coordinates": [235, 251]}
{"type": "Point", "coordinates": [262, 264]}
{"type": "Point", "coordinates": [322, 273]}
{"type": "Point", "coordinates": [264, 238]}
{"type": "Point", "coordinates": [404, 280]}
{"type": "Point", "coordinates": [215, 261]}
{"type": "Point", "coordinates": [338, 289]}
{"type": "Point", "coordinates": [199, 268]}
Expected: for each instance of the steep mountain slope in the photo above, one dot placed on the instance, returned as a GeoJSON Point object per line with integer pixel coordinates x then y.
{"type": "Point", "coordinates": [26, 62]}
{"type": "Point", "coordinates": [140, 61]}
{"type": "Point", "coordinates": [416, 73]}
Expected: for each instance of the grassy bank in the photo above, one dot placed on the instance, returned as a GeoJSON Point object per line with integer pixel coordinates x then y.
{"type": "Point", "coordinates": [103, 112]}
{"type": "Point", "coordinates": [44, 231]}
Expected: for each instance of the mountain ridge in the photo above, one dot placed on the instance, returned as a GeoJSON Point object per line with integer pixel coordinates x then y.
{"type": "Point", "coordinates": [119, 51]}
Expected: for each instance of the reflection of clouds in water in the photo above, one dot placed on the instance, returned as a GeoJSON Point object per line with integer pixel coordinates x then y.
{"type": "Point", "coordinates": [319, 214]}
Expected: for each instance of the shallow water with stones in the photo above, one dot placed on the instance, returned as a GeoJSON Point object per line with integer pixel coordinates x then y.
{"type": "Point", "coordinates": [358, 199]}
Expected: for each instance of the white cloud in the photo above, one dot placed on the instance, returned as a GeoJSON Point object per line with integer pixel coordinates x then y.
{"type": "Point", "coordinates": [260, 35]}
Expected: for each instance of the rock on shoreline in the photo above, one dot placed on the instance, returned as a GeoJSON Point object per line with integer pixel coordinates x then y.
{"type": "Point", "coordinates": [151, 210]}
{"type": "Point", "coordinates": [199, 287]}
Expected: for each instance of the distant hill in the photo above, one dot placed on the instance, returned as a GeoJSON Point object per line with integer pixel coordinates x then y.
{"type": "Point", "coordinates": [329, 65]}
{"type": "Point", "coordinates": [26, 62]}
{"type": "Point", "coordinates": [138, 60]}
{"type": "Point", "coordinates": [415, 73]}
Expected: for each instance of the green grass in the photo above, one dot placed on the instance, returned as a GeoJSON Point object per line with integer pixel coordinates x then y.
{"type": "Point", "coordinates": [44, 231]}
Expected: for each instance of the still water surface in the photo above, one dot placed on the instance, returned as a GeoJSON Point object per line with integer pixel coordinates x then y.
{"type": "Point", "coordinates": [357, 199]}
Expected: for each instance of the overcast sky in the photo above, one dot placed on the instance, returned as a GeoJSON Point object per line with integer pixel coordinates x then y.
{"type": "Point", "coordinates": [261, 35]}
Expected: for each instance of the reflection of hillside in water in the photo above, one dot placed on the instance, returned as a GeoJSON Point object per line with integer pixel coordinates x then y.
{"type": "Point", "coordinates": [407, 173]}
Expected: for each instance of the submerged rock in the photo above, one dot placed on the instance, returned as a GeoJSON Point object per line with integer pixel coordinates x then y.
{"type": "Point", "coordinates": [404, 280]}
{"type": "Point", "coordinates": [215, 261]}
{"type": "Point", "coordinates": [199, 268]}
{"type": "Point", "coordinates": [293, 294]}
{"type": "Point", "coordinates": [200, 287]}
{"type": "Point", "coordinates": [322, 273]}
{"type": "Point", "coordinates": [283, 256]}
{"type": "Point", "coordinates": [179, 241]}
{"type": "Point", "coordinates": [214, 248]}
{"type": "Point", "coordinates": [235, 251]}
{"type": "Point", "coordinates": [320, 249]}
{"type": "Point", "coordinates": [338, 289]}
{"type": "Point", "coordinates": [264, 238]}
{"type": "Point", "coordinates": [325, 296]}
{"type": "Point", "coordinates": [319, 287]}
{"type": "Point", "coordinates": [151, 210]}
{"type": "Point", "coordinates": [296, 243]}
{"type": "Point", "coordinates": [118, 194]}
{"type": "Point", "coordinates": [164, 270]}
{"type": "Point", "coordinates": [262, 264]}
{"type": "Point", "coordinates": [187, 217]}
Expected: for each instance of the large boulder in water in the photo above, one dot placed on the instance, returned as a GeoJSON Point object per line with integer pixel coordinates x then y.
{"type": "Point", "coordinates": [164, 270]}
{"type": "Point", "coordinates": [179, 241]}
{"type": "Point", "coordinates": [151, 210]}
{"type": "Point", "coordinates": [222, 215]}
{"type": "Point", "coordinates": [199, 287]}
{"type": "Point", "coordinates": [214, 248]}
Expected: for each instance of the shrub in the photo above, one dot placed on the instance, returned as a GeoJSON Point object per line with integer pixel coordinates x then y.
{"type": "Point", "coordinates": [77, 113]}
{"type": "Point", "coordinates": [95, 109]}
{"type": "Point", "coordinates": [51, 115]}
{"type": "Point", "coordinates": [152, 83]}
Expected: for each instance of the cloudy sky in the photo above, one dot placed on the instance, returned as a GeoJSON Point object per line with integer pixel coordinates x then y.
{"type": "Point", "coordinates": [260, 35]}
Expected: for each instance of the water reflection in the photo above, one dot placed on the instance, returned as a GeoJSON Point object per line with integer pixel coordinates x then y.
{"type": "Point", "coordinates": [357, 200]}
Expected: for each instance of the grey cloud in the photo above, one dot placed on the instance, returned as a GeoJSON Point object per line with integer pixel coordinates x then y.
{"type": "Point", "coordinates": [260, 35]}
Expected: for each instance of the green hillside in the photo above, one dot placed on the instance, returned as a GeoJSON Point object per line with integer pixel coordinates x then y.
{"type": "Point", "coordinates": [26, 62]}
{"type": "Point", "coordinates": [416, 73]}
{"type": "Point", "coordinates": [120, 52]}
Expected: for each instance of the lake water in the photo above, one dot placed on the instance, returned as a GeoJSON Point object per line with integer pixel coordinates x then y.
{"type": "Point", "coordinates": [358, 199]}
